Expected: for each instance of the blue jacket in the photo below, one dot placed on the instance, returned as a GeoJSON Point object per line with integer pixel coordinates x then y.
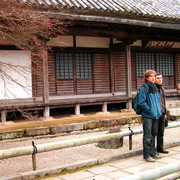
{"type": "Point", "coordinates": [149, 102]}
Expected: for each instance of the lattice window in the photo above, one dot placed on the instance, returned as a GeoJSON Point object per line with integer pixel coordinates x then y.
{"type": "Point", "coordinates": [64, 65]}
{"type": "Point", "coordinates": [144, 61]}
{"type": "Point", "coordinates": [165, 64]}
{"type": "Point", "coordinates": [83, 66]}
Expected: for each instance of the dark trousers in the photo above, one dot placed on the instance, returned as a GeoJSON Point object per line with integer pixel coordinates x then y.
{"type": "Point", "coordinates": [149, 125]}
{"type": "Point", "coordinates": [160, 134]}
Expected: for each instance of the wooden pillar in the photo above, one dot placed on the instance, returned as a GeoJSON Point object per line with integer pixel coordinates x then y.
{"type": "Point", "coordinates": [111, 67]}
{"type": "Point", "coordinates": [77, 109]}
{"type": "Point", "coordinates": [128, 76]}
{"type": "Point", "coordinates": [104, 107]}
{"type": "Point", "coordinates": [46, 112]}
{"type": "Point", "coordinates": [3, 116]}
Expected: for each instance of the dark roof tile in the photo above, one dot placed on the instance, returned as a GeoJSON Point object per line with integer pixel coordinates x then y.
{"type": "Point", "coordinates": [163, 8]}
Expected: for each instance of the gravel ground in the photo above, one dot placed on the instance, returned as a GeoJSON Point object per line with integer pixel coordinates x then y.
{"type": "Point", "coordinates": [16, 165]}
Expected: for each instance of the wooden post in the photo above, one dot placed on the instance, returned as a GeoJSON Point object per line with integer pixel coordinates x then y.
{"type": "Point", "coordinates": [130, 142]}
{"type": "Point", "coordinates": [104, 107]}
{"type": "Point", "coordinates": [130, 138]}
{"type": "Point", "coordinates": [128, 76]}
{"type": "Point", "coordinates": [129, 104]}
{"type": "Point", "coordinates": [46, 112]}
{"type": "Point", "coordinates": [77, 109]}
{"type": "Point", "coordinates": [34, 156]}
{"type": "Point", "coordinates": [3, 116]}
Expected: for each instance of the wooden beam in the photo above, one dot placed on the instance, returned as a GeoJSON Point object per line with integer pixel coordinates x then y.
{"type": "Point", "coordinates": [90, 24]}
{"type": "Point", "coordinates": [126, 34]}
{"type": "Point", "coordinates": [143, 36]}
{"type": "Point", "coordinates": [122, 44]}
{"type": "Point", "coordinates": [85, 31]}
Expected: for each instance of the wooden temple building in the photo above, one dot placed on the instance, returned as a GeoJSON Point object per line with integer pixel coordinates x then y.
{"type": "Point", "coordinates": [102, 57]}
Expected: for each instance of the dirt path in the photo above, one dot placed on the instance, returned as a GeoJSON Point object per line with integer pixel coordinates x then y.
{"type": "Point", "coordinates": [60, 120]}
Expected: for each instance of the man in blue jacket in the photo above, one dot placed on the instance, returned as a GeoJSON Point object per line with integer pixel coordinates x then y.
{"type": "Point", "coordinates": [151, 112]}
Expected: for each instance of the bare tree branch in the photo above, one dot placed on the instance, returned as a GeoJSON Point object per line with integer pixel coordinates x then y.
{"type": "Point", "coordinates": [27, 28]}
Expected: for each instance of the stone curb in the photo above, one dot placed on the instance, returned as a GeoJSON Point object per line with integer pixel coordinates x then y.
{"type": "Point", "coordinates": [30, 175]}
{"type": "Point", "coordinates": [69, 128]}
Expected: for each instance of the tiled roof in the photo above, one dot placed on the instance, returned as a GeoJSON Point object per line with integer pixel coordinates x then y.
{"type": "Point", "coordinates": [163, 8]}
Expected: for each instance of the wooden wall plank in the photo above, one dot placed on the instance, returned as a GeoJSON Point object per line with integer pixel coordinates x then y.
{"type": "Point", "coordinates": [51, 74]}
{"type": "Point", "coordinates": [84, 86]}
{"type": "Point", "coordinates": [37, 81]}
{"type": "Point", "coordinates": [119, 59]}
{"type": "Point", "coordinates": [133, 72]}
{"type": "Point", "coordinates": [101, 69]}
{"type": "Point", "coordinates": [65, 86]}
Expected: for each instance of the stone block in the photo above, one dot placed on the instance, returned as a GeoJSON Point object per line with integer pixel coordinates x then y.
{"type": "Point", "coordinates": [107, 123]}
{"type": "Point", "coordinates": [90, 125]}
{"type": "Point", "coordinates": [136, 119]}
{"type": "Point", "coordinates": [112, 143]}
{"type": "Point", "coordinates": [123, 121]}
{"type": "Point", "coordinates": [37, 174]}
{"type": "Point", "coordinates": [58, 129]}
{"type": "Point", "coordinates": [37, 131]}
{"type": "Point", "coordinates": [173, 113]}
{"type": "Point", "coordinates": [11, 134]}
{"type": "Point", "coordinates": [66, 128]}
{"type": "Point", "coordinates": [81, 163]}
{"type": "Point", "coordinates": [75, 127]}
{"type": "Point", "coordinates": [139, 118]}
{"type": "Point", "coordinates": [173, 103]}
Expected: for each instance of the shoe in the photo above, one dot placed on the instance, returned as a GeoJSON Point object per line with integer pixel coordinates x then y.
{"type": "Point", "coordinates": [163, 151]}
{"type": "Point", "coordinates": [157, 156]}
{"type": "Point", "coordinates": [150, 159]}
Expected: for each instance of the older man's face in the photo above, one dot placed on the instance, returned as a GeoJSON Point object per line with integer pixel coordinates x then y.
{"type": "Point", "coordinates": [159, 79]}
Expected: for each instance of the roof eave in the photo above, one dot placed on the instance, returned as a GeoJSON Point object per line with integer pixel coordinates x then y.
{"type": "Point", "coordinates": [116, 20]}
